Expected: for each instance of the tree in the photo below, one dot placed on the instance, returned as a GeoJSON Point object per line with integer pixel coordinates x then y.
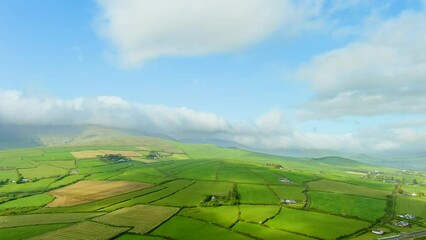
{"type": "Point", "coordinates": [415, 181]}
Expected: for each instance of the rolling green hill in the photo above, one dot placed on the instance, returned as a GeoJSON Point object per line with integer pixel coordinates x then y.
{"type": "Point", "coordinates": [195, 191]}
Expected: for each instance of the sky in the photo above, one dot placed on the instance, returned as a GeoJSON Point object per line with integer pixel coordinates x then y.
{"type": "Point", "coordinates": [336, 75]}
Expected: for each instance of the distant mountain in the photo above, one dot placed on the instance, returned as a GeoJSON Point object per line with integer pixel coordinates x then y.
{"type": "Point", "coordinates": [35, 136]}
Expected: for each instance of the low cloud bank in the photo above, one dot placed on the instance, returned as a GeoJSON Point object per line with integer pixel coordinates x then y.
{"type": "Point", "coordinates": [269, 132]}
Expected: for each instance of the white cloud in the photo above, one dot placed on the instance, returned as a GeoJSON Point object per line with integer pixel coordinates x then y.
{"type": "Point", "coordinates": [23, 109]}
{"type": "Point", "coordinates": [141, 30]}
{"type": "Point", "coordinates": [271, 131]}
{"type": "Point", "coordinates": [386, 73]}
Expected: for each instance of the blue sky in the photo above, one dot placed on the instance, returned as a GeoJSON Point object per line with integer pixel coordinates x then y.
{"type": "Point", "coordinates": [329, 75]}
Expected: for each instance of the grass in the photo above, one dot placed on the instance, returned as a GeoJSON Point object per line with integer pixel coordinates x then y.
{"type": "Point", "coordinates": [137, 237]}
{"type": "Point", "coordinates": [224, 215]}
{"type": "Point", "coordinates": [187, 228]}
{"type": "Point", "coordinates": [88, 163]}
{"type": "Point", "coordinates": [17, 162]}
{"type": "Point", "coordinates": [53, 156]}
{"type": "Point", "coordinates": [192, 195]}
{"type": "Point", "coordinates": [345, 188]}
{"type": "Point", "coordinates": [206, 171]}
{"type": "Point", "coordinates": [148, 175]}
{"type": "Point", "coordinates": [61, 164]}
{"type": "Point", "coordinates": [30, 187]}
{"type": "Point", "coordinates": [108, 204]}
{"type": "Point", "coordinates": [169, 188]}
{"type": "Point", "coordinates": [22, 152]}
{"type": "Point", "coordinates": [103, 168]}
{"type": "Point", "coordinates": [362, 207]}
{"type": "Point", "coordinates": [18, 233]}
{"type": "Point", "coordinates": [315, 224]}
{"type": "Point", "coordinates": [256, 194]}
{"type": "Point", "coordinates": [290, 192]}
{"type": "Point", "coordinates": [261, 232]}
{"type": "Point", "coordinates": [240, 176]}
{"type": "Point", "coordinates": [258, 214]}
{"type": "Point", "coordinates": [82, 148]}
{"type": "Point", "coordinates": [65, 181]}
{"type": "Point", "coordinates": [8, 174]}
{"type": "Point", "coordinates": [32, 201]}
{"type": "Point", "coordinates": [40, 219]}
{"type": "Point", "coordinates": [42, 171]}
{"type": "Point", "coordinates": [84, 230]}
{"type": "Point", "coordinates": [143, 218]}
{"type": "Point", "coordinates": [89, 191]}
{"type": "Point", "coordinates": [269, 176]}
{"type": "Point", "coordinates": [101, 176]}
{"type": "Point", "coordinates": [414, 205]}
{"type": "Point", "coordinates": [296, 178]}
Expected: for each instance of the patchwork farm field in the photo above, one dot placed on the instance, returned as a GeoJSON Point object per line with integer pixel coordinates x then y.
{"type": "Point", "coordinates": [346, 188]}
{"type": "Point", "coordinates": [315, 224]}
{"type": "Point", "coordinates": [40, 219]}
{"type": "Point", "coordinates": [142, 218]}
{"type": "Point", "coordinates": [159, 189]}
{"type": "Point", "coordinates": [84, 230]}
{"type": "Point", "coordinates": [87, 191]}
{"type": "Point", "coordinates": [361, 207]}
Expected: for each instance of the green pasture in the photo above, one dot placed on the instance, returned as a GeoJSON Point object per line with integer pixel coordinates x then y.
{"type": "Point", "coordinates": [192, 195]}
{"type": "Point", "coordinates": [206, 171]}
{"type": "Point", "coordinates": [103, 204]}
{"type": "Point", "coordinates": [160, 192]}
{"type": "Point", "coordinates": [289, 192]}
{"type": "Point", "coordinates": [257, 194]}
{"type": "Point", "coordinates": [137, 237]}
{"type": "Point", "coordinates": [147, 175]}
{"type": "Point", "coordinates": [8, 174]}
{"type": "Point", "coordinates": [188, 228]}
{"type": "Point", "coordinates": [413, 205]}
{"type": "Point", "coordinates": [21, 152]}
{"type": "Point", "coordinates": [264, 232]}
{"type": "Point", "coordinates": [42, 171]}
{"type": "Point", "coordinates": [143, 218]}
{"type": "Point", "coordinates": [315, 224]}
{"type": "Point", "coordinates": [65, 181]}
{"type": "Point", "coordinates": [31, 201]}
{"type": "Point", "coordinates": [61, 164]}
{"type": "Point", "coordinates": [346, 188]}
{"type": "Point", "coordinates": [17, 162]}
{"type": "Point", "coordinates": [53, 156]}
{"type": "Point", "coordinates": [346, 205]}
{"type": "Point", "coordinates": [29, 187]}
{"type": "Point", "coordinates": [40, 219]}
{"type": "Point", "coordinates": [18, 233]}
{"type": "Point", "coordinates": [223, 215]}
{"type": "Point", "coordinates": [83, 230]}
{"type": "Point", "coordinates": [258, 213]}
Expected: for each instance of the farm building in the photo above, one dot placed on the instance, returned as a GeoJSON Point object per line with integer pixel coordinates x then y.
{"type": "Point", "coordinates": [408, 216]}
{"type": "Point", "coordinates": [284, 180]}
{"type": "Point", "coordinates": [288, 201]}
{"type": "Point", "coordinates": [402, 224]}
{"type": "Point", "coordinates": [24, 180]}
{"type": "Point", "coordinates": [378, 232]}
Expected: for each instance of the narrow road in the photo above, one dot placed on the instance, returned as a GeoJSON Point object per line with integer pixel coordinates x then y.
{"type": "Point", "coordinates": [405, 235]}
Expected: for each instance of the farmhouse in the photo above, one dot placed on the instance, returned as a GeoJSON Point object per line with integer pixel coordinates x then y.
{"type": "Point", "coordinates": [378, 232]}
{"type": "Point", "coordinates": [288, 201]}
{"type": "Point", "coordinates": [409, 216]}
{"type": "Point", "coordinates": [402, 224]}
{"type": "Point", "coordinates": [284, 180]}
{"type": "Point", "coordinates": [24, 180]}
